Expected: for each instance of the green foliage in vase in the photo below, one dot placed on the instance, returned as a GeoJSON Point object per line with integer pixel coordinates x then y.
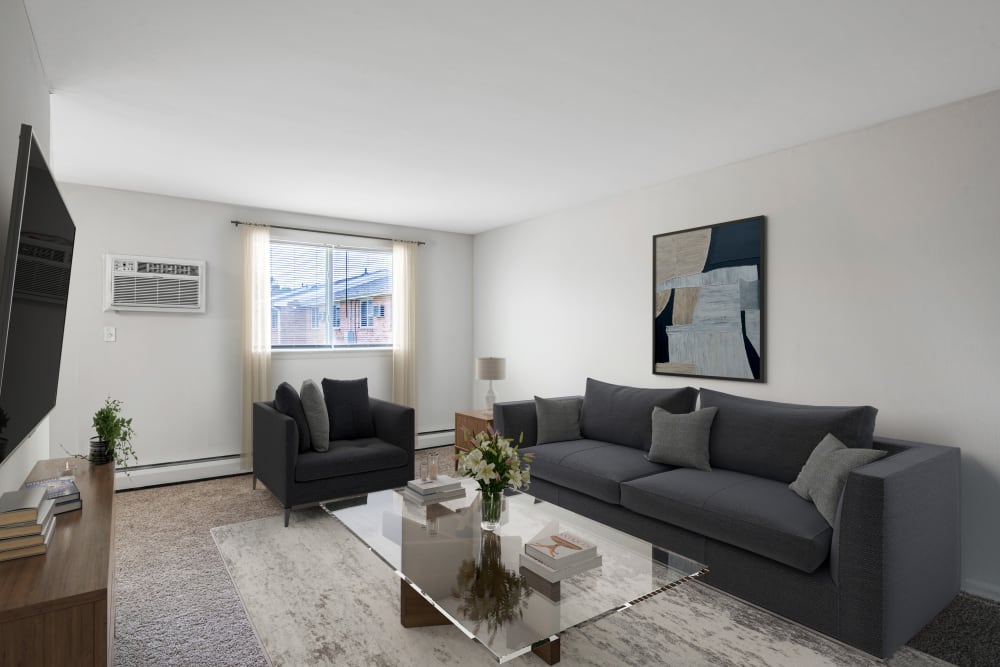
{"type": "Point", "coordinates": [487, 591]}
{"type": "Point", "coordinates": [494, 463]}
{"type": "Point", "coordinates": [115, 431]}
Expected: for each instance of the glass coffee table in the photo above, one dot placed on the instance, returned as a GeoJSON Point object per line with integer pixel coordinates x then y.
{"type": "Point", "coordinates": [451, 571]}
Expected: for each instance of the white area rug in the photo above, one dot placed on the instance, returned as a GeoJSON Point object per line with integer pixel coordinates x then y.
{"type": "Point", "coordinates": [316, 596]}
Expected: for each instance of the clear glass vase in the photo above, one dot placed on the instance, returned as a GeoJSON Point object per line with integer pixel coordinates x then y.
{"type": "Point", "coordinates": [491, 503]}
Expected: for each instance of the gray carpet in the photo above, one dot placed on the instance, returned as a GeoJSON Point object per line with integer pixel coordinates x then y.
{"type": "Point", "coordinates": [176, 604]}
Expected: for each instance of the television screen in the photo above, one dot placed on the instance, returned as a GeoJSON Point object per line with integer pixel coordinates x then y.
{"type": "Point", "coordinates": [34, 284]}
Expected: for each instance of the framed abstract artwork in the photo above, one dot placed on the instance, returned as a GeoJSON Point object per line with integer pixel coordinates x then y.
{"type": "Point", "coordinates": [708, 301]}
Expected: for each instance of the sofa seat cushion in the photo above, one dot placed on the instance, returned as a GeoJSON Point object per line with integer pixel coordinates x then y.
{"type": "Point", "coordinates": [591, 467]}
{"type": "Point", "coordinates": [753, 513]}
{"type": "Point", "coordinates": [349, 457]}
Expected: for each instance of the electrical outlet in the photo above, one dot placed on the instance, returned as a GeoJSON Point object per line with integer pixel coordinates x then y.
{"type": "Point", "coordinates": [109, 334]}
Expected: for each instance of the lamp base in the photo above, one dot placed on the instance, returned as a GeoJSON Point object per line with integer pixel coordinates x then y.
{"type": "Point", "coordinates": [491, 397]}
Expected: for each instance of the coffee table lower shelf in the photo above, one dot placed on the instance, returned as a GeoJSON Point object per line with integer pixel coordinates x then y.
{"type": "Point", "coordinates": [416, 612]}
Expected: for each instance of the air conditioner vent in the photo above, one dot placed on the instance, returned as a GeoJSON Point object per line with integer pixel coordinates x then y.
{"type": "Point", "coordinates": [155, 284]}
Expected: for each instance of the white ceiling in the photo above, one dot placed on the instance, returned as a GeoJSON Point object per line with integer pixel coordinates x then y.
{"type": "Point", "coordinates": [465, 115]}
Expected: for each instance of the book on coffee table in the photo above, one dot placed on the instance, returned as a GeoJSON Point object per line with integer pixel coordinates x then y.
{"type": "Point", "coordinates": [557, 549]}
{"type": "Point", "coordinates": [440, 485]}
{"type": "Point", "coordinates": [549, 574]}
{"type": "Point", "coordinates": [427, 498]}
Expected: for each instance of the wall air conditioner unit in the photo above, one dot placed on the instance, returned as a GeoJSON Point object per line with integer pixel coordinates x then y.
{"type": "Point", "coordinates": [156, 284]}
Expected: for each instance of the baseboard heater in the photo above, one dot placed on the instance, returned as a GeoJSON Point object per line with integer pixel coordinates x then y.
{"type": "Point", "coordinates": [173, 472]}
{"type": "Point", "coordinates": [428, 439]}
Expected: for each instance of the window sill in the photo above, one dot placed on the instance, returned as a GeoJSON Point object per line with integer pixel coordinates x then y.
{"type": "Point", "coordinates": [330, 353]}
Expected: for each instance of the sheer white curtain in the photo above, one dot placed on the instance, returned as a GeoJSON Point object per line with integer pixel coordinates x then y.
{"type": "Point", "coordinates": [404, 323]}
{"type": "Point", "coordinates": [256, 328]}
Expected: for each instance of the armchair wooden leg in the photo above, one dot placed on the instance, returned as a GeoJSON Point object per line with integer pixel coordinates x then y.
{"type": "Point", "coordinates": [288, 513]}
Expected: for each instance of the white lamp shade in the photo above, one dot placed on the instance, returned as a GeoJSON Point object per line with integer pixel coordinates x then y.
{"type": "Point", "coordinates": [491, 368]}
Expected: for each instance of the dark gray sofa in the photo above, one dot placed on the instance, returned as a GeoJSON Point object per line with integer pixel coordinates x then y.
{"type": "Point", "coordinates": [349, 467]}
{"type": "Point", "coordinates": [886, 567]}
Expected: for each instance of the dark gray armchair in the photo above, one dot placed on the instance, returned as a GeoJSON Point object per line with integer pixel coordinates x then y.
{"type": "Point", "coordinates": [349, 468]}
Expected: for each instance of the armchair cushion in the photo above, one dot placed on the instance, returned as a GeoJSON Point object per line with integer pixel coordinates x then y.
{"type": "Point", "coordinates": [349, 457]}
{"type": "Point", "coordinates": [315, 409]}
{"type": "Point", "coordinates": [287, 402]}
{"type": "Point", "coordinates": [348, 407]}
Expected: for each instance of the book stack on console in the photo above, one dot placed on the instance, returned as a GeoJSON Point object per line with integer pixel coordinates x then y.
{"type": "Point", "coordinates": [553, 556]}
{"type": "Point", "coordinates": [433, 491]}
{"type": "Point", "coordinates": [62, 490]}
{"type": "Point", "coordinates": [27, 521]}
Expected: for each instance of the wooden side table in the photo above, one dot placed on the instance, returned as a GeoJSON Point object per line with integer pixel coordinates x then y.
{"type": "Point", "coordinates": [470, 422]}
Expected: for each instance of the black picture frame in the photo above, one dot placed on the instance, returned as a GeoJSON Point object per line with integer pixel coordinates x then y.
{"type": "Point", "coordinates": [709, 305]}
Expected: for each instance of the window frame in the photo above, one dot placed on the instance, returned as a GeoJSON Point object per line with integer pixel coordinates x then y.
{"type": "Point", "coordinates": [336, 314]}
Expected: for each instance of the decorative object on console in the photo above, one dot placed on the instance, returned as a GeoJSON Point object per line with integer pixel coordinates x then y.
{"type": "Point", "coordinates": [708, 301]}
{"type": "Point", "coordinates": [495, 465]}
{"type": "Point", "coordinates": [491, 368]}
{"type": "Point", "coordinates": [113, 441]}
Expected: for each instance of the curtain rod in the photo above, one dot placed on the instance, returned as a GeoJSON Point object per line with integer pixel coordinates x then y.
{"type": "Point", "coordinates": [326, 231]}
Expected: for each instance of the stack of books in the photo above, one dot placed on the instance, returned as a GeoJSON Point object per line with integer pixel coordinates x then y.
{"type": "Point", "coordinates": [433, 491]}
{"type": "Point", "coordinates": [554, 555]}
{"type": "Point", "coordinates": [62, 490]}
{"type": "Point", "coordinates": [27, 521]}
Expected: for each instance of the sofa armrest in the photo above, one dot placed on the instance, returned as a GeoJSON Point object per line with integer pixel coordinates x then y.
{"type": "Point", "coordinates": [897, 544]}
{"type": "Point", "coordinates": [275, 450]}
{"type": "Point", "coordinates": [513, 418]}
{"type": "Point", "coordinates": [395, 424]}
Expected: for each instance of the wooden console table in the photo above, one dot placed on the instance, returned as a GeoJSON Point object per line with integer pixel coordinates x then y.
{"type": "Point", "coordinates": [470, 422]}
{"type": "Point", "coordinates": [58, 609]}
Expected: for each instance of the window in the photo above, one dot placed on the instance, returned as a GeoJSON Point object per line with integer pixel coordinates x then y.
{"type": "Point", "coordinates": [367, 313]}
{"type": "Point", "coordinates": [311, 282]}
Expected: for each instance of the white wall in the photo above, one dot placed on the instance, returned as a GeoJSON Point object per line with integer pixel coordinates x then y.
{"type": "Point", "coordinates": [179, 375]}
{"type": "Point", "coordinates": [24, 98]}
{"type": "Point", "coordinates": [882, 255]}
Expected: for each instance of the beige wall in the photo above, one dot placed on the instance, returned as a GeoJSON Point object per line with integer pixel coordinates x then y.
{"type": "Point", "coordinates": [882, 255]}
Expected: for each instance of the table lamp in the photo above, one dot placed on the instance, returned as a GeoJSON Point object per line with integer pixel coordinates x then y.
{"type": "Point", "coordinates": [491, 368]}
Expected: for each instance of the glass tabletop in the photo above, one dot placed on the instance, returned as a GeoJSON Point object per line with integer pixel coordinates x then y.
{"type": "Point", "coordinates": [474, 577]}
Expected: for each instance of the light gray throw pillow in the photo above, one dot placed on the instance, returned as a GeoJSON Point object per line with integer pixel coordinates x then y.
{"type": "Point", "coordinates": [824, 475]}
{"type": "Point", "coordinates": [682, 440]}
{"type": "Point", "coordinates": [558, 419]}
{"type": "Point", "coordinates": [314, 406]}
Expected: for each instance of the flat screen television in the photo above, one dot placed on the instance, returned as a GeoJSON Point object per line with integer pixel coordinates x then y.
{"type": "Point", "coordinates": [34, 285]}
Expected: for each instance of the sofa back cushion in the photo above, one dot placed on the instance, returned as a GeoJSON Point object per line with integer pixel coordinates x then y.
{"type": "Point", "coordinates": [624, 415]}
{"type": "Point", "coordinates": [774, 440]}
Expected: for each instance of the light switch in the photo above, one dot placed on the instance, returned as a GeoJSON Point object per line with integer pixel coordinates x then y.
{"type": "Point", "coordinates": [109, 334]}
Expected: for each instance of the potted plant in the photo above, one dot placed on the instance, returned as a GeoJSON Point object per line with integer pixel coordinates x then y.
{"type": "Point", "coordinates": [114, 435]}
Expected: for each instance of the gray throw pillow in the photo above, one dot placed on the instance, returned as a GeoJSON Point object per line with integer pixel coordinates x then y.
{"type": "Point", "coordinates": [315, 409]}
{"type": "Point", "coordinates": [824, 475]}
{"type": "Point", "coordinates": [681, 440]}
{"type": "Point", "coordinates": [558, 419]}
